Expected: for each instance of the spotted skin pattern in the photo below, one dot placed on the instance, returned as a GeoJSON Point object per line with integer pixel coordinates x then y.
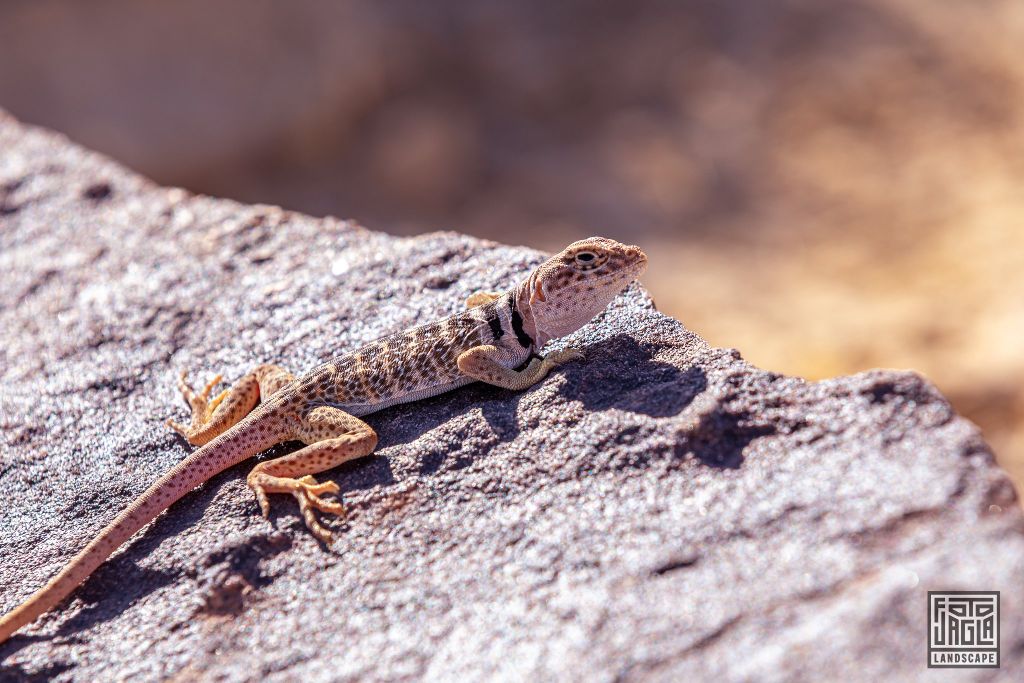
{"type": "Point", "coordinates": [495, 341]}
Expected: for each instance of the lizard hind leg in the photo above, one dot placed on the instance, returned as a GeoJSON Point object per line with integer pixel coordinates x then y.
{"type": "Point", "coordinates": [332, 437]}
{"type": "Point", "coordinates": [212, 417]}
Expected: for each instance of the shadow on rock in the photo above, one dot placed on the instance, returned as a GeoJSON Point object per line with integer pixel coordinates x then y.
{"type": "Point", "coordinates": [120, 581]}
{"type": "Point", "coordinates": [407, 423]}
{"type": "Point", "coordinates": [17, 674]}
{"type": "Point", "coordinates": [621, 374]}
{"type": "Point", "coordinates": [226, 576]}
{"type": "Point", "coordinates": [720, 437]}
{"type": "Point", "coordinates": [616, 374]}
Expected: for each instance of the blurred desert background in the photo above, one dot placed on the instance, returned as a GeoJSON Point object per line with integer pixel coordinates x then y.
{"type": "Point", "coordinates": [827, 186]}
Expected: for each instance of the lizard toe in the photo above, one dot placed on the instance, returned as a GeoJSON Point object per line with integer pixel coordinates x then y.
{"type": "Point", "coordinates": [306, 492]}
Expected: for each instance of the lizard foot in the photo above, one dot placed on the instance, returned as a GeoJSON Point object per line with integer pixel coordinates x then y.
{"type": "Point", "coordinates": [306, 491]}
{"type": "Point", "coordinates": [201, 405]}
{"type": "Point", "coordinates": [558, 358]}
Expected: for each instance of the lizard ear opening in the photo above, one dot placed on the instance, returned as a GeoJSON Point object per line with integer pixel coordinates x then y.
{"type": "Point", "coordinates": [538, 293]}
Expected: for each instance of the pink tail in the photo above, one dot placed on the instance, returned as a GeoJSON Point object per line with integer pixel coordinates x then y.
{"type": "Point", "coordinates": [226, 450]}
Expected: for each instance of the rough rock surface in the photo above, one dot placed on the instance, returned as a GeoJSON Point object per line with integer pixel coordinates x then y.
{"type": "Point", "coordinates": [660, 511]}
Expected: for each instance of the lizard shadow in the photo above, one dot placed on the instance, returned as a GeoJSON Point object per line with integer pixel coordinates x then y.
{"type": "Point", "coordinates": [404, 425]}
{"type": "Point", "coordinates": [617, 374]}
{"type": "Point", "coordinates": [621, 374]}
{"type": "Point", "coordinates": [120, 580]}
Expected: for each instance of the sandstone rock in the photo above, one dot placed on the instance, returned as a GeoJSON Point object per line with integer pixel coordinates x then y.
{"type": "Point", "coordinates": [661, 511]}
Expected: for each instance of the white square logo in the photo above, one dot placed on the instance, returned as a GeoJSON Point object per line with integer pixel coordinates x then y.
{"type": "Point", "coordinates": [963, 629]}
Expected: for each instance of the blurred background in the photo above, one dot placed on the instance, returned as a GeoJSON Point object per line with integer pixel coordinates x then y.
{"type": "Point", "coordinates": [827, 186]}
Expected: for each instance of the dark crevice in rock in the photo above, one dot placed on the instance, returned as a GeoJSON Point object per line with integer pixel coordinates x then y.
{"type": "Point", "coordinates": [714, 636]}
{"type": "Point", "coordinates": [18, 674]}
{"type": "Point", "coordinates": [41, 280]}
{"type": "Point", "coordinates": [721, 436]}
{"type": "Point", "coordinates": [120, 385]}
{"type": "Point", "coordinates": [652, 666]}
{"type": "Point", "coordinates": [98, 192]}
{"type": "Point", "coordinates": [9, 187]}
{"type": "Point", "coordinates": [1001, 494]}
{"type": "Point", "coordinates": [230, 575]}
{"type": "Point", "coordinates": [896, 529]}
{"type": "Point", "coordinates": [8, 206]}
{"type": "Point", "coordinates": [675, 563]}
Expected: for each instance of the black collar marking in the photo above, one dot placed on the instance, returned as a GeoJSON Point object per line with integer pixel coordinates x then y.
{"type": "Point", "coordinates": [517, 326]}
{"type": "Point", "coordinates": [494, 320]}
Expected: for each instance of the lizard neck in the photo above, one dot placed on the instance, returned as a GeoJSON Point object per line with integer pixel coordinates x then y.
{"type": "Point", "coordinates": [523, 314]}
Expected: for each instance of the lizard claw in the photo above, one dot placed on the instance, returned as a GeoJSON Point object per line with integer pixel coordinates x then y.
{"type": "Point", "coordinates": [318, 489]}
{"type": "Point", "coordinates": [196, 401]}
{"type": "Point", "coordinates": [306, 492]}
{"type": "Point", "coordinates": [200, 404]}
{"type": "Point", "coordinates": [262, 500]}
{"type": "Point", "coordinates": [176, 426]}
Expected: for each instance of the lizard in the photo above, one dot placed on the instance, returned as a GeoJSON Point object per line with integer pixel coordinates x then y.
{"type": "Point", "coordinates": [496, 340]}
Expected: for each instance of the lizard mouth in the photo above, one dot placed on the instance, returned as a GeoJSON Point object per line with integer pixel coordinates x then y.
{"type": "Point", "coordinates": [628, 273]}
{"type": "Point", "coordinates": [614, 283]}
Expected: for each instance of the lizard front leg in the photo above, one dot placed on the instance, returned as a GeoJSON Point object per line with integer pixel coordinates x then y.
{"type": "Point", "coordinates": [480, 298]}
{"type": "Point", "coordinates": [211, 418]}
{"type": "Point", "coordinates": [483, 363]}
{"type": "Point", "coordinates": [333, 437]}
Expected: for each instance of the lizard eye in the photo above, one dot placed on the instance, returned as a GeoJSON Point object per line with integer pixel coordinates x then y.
{"type": "Point", "coordinates": [585, 257]}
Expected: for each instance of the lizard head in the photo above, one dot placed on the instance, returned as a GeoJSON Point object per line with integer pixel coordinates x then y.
{"type": "Point", "coordinates": [569, 289]}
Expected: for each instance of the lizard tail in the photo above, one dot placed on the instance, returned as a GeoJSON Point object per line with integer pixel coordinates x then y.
{"type": "Point", "coordinates": [226, 450]}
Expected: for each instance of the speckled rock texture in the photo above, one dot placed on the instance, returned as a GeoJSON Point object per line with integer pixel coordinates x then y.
{"type": "Point", "coordinates": [659, 511]}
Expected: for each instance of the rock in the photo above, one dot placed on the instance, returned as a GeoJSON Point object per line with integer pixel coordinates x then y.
{"type": "Point", "coordinates": [660, 511]}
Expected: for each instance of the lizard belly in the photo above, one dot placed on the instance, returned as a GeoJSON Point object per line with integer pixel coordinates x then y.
{"type": "Point", "coordinates": [365, 408]}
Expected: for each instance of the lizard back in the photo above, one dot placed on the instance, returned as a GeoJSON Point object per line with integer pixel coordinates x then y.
{"type": "Point", "coordinates": [417, 362]}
